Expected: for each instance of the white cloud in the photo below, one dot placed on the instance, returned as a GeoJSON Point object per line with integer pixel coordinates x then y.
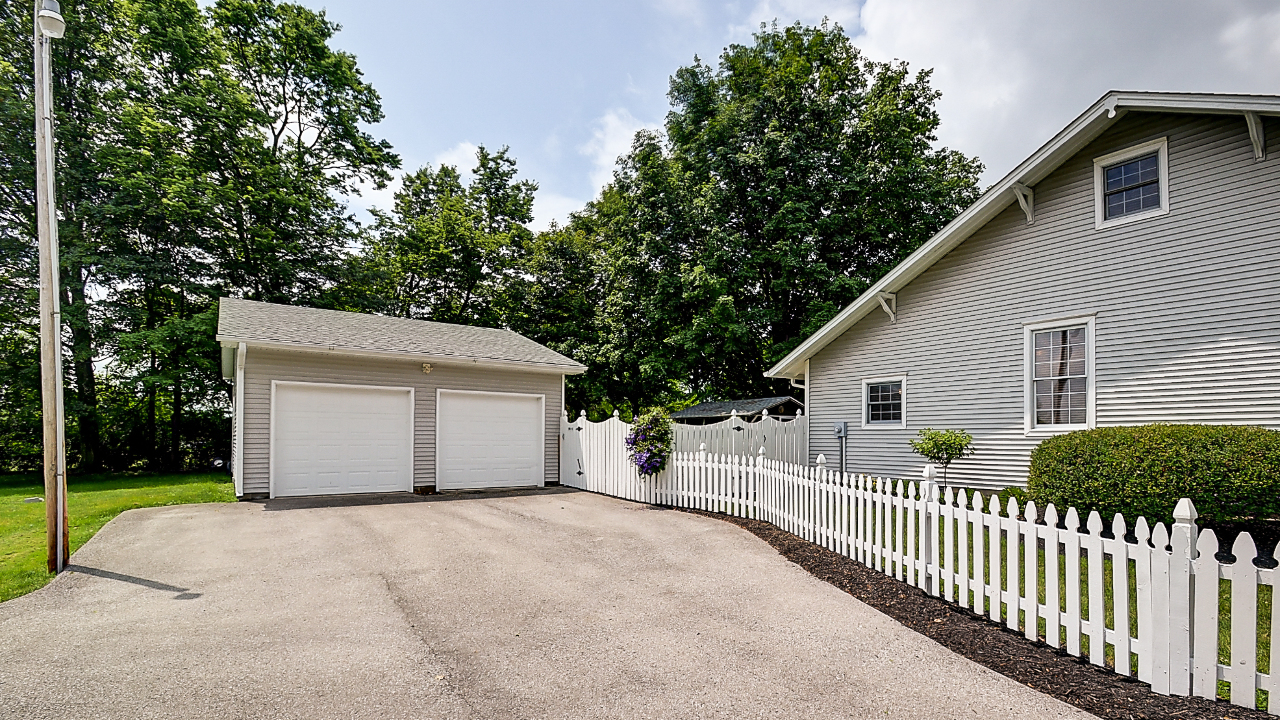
{"type": "Point", "coordinates": [550, 206]}
{"type": "Point", "coordinates": [787, 12]}
{"type": "Point", "coordinates": [610, 139]}
{"type": "Point", "coordinates": [1013, 73]}
{"type": "Point", "coordinates": [370, 198]}
{"type": "Point", "coordinates": [462, 156]}
{"type": "Point", "coordinates": [688, 10]}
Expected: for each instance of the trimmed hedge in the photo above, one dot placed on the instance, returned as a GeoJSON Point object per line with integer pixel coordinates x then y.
{"type": "Point", "coordinates": [1230, 472]}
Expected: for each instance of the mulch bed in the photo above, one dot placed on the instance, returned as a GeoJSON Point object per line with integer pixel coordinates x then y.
{"type": "Point", "coordinates": [1034, 664]}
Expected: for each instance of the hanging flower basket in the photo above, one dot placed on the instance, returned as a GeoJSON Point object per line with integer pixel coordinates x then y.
{"type": "Point", "coordinates": [649, 442]}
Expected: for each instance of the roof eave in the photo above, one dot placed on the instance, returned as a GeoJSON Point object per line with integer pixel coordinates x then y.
{"type": "Point", "coordinates": [470, 361]}
{"type": "Point", "coordinates": [1073, 138]}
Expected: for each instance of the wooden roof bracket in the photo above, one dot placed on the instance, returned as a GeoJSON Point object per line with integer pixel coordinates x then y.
{"type": "Point", "coordinates": [1257, 134]}
{"type": "Point", "coordinates": [889, 303]}
{"type": "Point", "coordinates": [1027, 199]}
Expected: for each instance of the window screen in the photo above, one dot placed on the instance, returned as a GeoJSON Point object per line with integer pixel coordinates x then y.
{"type": "Point", "coordinates": [1133, 187]}
{"type": "Point", "coordinates": [884, 402]}
{"type": "Point", "coordinates": [1061, 377]}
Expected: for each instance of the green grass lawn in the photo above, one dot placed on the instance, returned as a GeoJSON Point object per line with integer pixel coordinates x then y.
{"type": "Point", "coordinates": [92, 500]}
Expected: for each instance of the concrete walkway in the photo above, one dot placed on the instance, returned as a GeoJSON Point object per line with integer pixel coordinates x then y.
{"type": "Point", "coordinates": [552, 604]}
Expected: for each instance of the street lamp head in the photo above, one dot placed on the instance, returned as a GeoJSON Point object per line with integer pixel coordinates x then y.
{"type": "Point", "coordinates": [50, 19]}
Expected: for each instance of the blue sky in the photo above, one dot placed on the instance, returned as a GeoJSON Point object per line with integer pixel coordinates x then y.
{"type": "Point", "coordinates": [566, 83]}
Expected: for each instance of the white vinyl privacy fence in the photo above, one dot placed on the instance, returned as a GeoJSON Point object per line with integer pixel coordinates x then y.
{"type": "Point", "coordinates": [1153, 602]}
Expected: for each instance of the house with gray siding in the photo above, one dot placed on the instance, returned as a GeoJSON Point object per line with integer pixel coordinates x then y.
{"type": "Point", "coordinates": [329, 402]}
{"type": "Point", "coordinates": [1128, 272]}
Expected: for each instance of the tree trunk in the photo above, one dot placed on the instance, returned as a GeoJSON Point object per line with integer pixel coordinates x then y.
{"type": "Point", "coordinates": [90, 433]}
{"type": "Point", "coordinates": [175, 431]}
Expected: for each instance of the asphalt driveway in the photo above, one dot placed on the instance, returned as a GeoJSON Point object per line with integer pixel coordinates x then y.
{"type": "Point", "coordinates": [554, 604]}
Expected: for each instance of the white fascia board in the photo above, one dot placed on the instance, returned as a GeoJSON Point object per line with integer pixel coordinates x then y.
{"type": "Point", "coordinates": [1071, 140]}
{"type": "Point", "coordinates": [401, 355]}
{"type": "Point", "coordinates": [1214, 104]}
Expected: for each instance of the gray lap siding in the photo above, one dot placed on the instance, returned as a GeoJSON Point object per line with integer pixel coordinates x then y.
{"type": "Point", "coordinates": [263, 366]}
{"type": "Point", "coordinates": [1185, 306]}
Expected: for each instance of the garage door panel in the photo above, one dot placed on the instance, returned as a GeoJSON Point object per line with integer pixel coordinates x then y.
{"type": "Point", "coordinates": [334, 439]}
{"type": "Point", "coordinates": [488, 440]}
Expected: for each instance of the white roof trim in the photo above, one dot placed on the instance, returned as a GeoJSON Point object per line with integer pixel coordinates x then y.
{"type": "Point", "coordinates": [1083, 130]}
{"type": "Point", "coordinates": [574, 369]}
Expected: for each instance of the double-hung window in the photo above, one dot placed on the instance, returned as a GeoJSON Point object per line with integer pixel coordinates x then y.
{"type": "Point", "coordinates": [883, 403]}
{"type": "Point", "coordinates": [1131, 184]}
{"type": "Point", "coordinates": [1060, 375]}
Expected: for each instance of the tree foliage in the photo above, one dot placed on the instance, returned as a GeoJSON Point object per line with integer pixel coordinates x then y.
{"type": "Point", "coordinates": [789, 179]}
{"type": "Point", "coordinates": [207, 152]}
{"type": "Point", "coordinates": [200, 153]}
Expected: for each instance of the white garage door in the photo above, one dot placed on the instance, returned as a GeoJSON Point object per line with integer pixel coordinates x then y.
{"type": "Point", "coordinates": [336, 439]}
{"type": "Point", "coordinates": [488, 440]}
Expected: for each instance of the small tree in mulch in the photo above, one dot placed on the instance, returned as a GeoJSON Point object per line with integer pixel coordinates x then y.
{"type": "Point", "coordinates": [942, 447]}
{"type": "Point", "coordinates": [650, 441]}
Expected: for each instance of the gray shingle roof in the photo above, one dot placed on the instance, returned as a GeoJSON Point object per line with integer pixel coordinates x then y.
{"type": "Point", "coordinates": [723, 408]}
{"type": "Point", "coordinates": [311, 329]}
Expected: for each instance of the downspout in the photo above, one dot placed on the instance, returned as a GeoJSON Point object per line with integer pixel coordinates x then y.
{"type": "Point", "coordinates": [237, 449]}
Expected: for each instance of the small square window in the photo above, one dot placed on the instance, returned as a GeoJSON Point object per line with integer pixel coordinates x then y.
{"type": "Point", "coordinates": [884, 403]}
{"type": "Point", "coordinates": [1131, 184]}
{"type": "Point", "coordinates": [1133, 187]}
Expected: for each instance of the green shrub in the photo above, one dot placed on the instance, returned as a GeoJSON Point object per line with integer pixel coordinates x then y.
{"type": "Point", "coordinates": [942, 447]}
{"type": "Point", "coordinates": [1228, 471]}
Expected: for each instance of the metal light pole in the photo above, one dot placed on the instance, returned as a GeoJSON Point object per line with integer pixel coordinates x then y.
{"type": "Point", "coordinates": [49, 25]}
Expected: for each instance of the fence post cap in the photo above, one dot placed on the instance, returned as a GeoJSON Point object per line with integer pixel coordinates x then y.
{"type": "Point", "coordinates": [582, 413]}
{"type": "Point", "coordinates": [929, 489]}
{"type": "Point", "coordinates": [764, 412]}
{"type": "Point", "coordinates": [800, 413]}
{"type": "Point", "coordinates": [760, 452]}
{"type": "Point", "coordinates": [930, 472]}
{"type": "Point", "coordinates": [1185, 512]}
{"type": "Point", "coordinates": [822, 460]}
{"type": "Point", "coordinates": [702, 447]}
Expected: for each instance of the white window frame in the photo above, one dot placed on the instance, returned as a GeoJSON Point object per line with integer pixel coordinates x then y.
{"type": "Point", "coordinates": [866, 423]}
{"type": "Point", "coordinates": [1100, 165]}
{"type": "Point", "coordinates": [1029, 330]}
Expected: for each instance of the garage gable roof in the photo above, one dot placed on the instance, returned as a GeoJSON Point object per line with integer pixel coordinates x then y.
{"type": "Point", "coordinates": [259, 324]}
{"type": "Point", "coordinates": [1072, 139]}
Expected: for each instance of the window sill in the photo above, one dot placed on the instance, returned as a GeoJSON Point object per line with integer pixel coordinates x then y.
{"type": "Point", "coordinates": [1126, 219]}
{"type": "Point", "coordinates": [1052, 430]}
{"type": "Point", "coordinates": [884, 426]}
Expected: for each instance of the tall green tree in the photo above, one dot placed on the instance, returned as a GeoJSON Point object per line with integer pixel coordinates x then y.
{"type": "Point", "coordinates": [299, 146]}
{"type": "Point", "coordinates": [200, 153]}
{"type": "Point", "coordinates": [789, 179]}
{"type": "Point", "coordinates": [449, 250]}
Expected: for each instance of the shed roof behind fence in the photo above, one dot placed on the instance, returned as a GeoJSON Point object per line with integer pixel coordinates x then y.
{"type": "Point", "coordinates": [724, 408]}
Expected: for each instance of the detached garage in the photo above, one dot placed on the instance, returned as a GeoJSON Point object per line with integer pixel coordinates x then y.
{"type": "Point", "coordinates": [330, 402]}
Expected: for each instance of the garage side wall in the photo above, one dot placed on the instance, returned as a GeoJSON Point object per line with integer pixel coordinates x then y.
{"type": "Point", "coordinates": [263, 366]}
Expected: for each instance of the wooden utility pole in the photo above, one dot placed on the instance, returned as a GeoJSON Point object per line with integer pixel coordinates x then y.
{"type": "Point", "coordinates": [49, 25]}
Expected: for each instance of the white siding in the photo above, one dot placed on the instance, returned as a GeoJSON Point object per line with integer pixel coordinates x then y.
{"type": "Point", "coordinates": [263, 366]}
{"type": "Point", "coordinates": [1187, 309]}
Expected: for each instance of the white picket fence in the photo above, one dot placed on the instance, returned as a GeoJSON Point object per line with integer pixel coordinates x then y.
{"type": "Point", "coordinates": [1068, 586]}
{"type": "Point", "coordinates": [786, 440]}
{"type": "Point", "coordinates": [594, 454]}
